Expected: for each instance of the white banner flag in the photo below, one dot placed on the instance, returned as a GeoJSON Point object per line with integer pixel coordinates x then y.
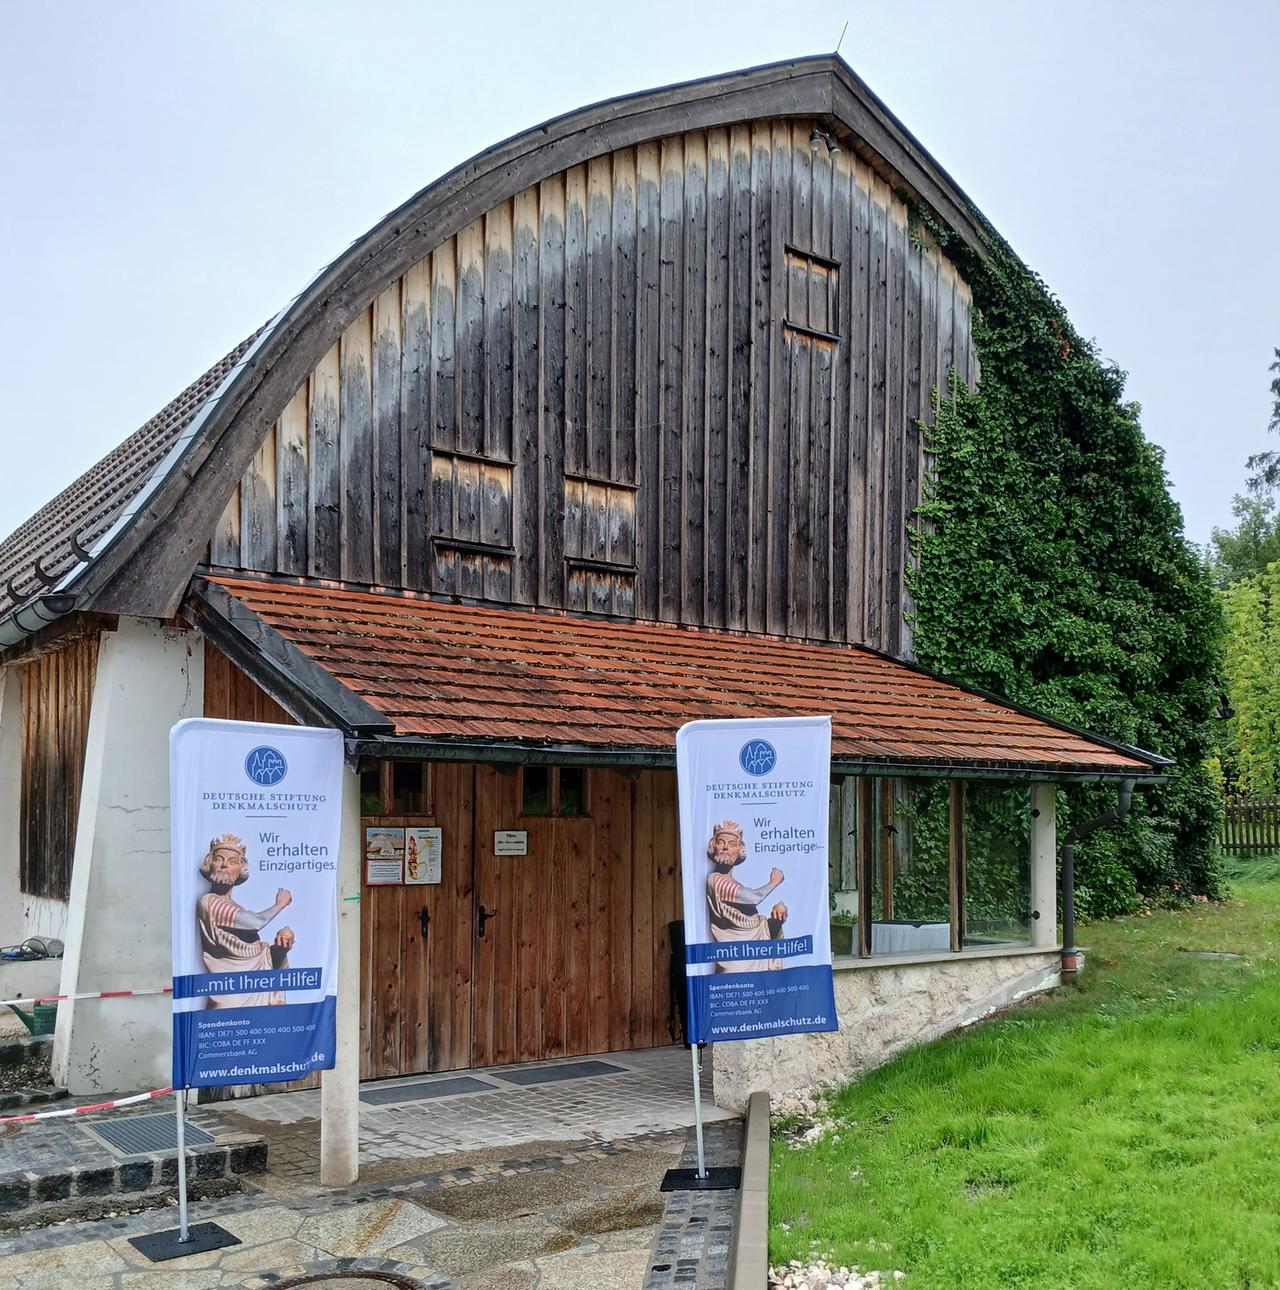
{"type": "Point", "coordinates": [256, 824]}
{"type": "Point", "coordinates": [753, 845]}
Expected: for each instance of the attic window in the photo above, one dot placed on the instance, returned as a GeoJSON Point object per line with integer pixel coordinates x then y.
{"type": "Point", "coordinates": [812, 295]}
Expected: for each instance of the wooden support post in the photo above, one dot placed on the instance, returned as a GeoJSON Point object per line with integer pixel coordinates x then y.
{"type": "Point", "coordinates": [957, 865]}
{"type": "Point", "coordinates": [1044, 866]}
{"type": "Point", "coordinates": [866, 862]}
{"type": "Point", "coordinates": [340, 1087]}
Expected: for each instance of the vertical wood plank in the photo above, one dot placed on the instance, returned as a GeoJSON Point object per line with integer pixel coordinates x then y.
{"type": "Point", "coordinates": [415, 422]}
{"type": "Point", "coordinates": [326, 469]}
{"type": "Point", "coordinates": [526, 401]}
{"type": "Point", "coordinates": [778, 450]}
{"type": "Point", "coordinates": [577, 320]}
{"type": "Point", "coordinates": [496, 439]}
{"type": "Point", "coordinates": [356, 437]}
{"type": "Point", "coordinates": [671, 530]}
{"type": "Point", "coordinates": [258, 508]}
{"type": "Point", "coordinates": [292, 493]}
{"type": "Point", "coordinates": [643, 933]}
{"type": "Point", "coordinates": [444, 326]}
{"type": "Point", "coordinates": [553, 320]}
{"type": "Point", "coordinates": [618, 856]}
{"type": "Point", "coordinates": [763, 328]}
{"type": "Point", "coordinates": [648, 406]}
{"type": "Point", "coordinates": [388, 565]}
{"type": "Point", "coordinates": [470, 342]}
{"type": "Point", "coordinates": [623, 318]}
{"type": "Point", "coordinates": [718, 350]}
{"type": "Point", "coordinates": [694, 436]}
{"type": "Point", "coordinates": [597, 440]}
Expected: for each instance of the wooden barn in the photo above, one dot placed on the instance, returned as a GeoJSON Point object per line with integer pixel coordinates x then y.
{"type": "Point", "coordinates": [616, 425]}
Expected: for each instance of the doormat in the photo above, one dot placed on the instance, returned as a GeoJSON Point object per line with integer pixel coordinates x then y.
{"type": "Point", "coordinates": [135, 1135]}
{"type": "Point", "coordinates": [552, 1074]}
{"type": "Point", "coordinates": [428, 1088]}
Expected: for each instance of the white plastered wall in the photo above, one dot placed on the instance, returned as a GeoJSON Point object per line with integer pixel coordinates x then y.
{"type": "Point", "coordinates": [148, 677]}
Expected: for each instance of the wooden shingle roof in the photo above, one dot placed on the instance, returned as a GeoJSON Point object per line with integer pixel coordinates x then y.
{"type": "Point", "coordinates": [449, 674]}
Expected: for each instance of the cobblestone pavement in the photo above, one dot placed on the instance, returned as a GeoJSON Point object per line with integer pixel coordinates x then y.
{"type": "Point", "coordinates": [546, 1187]}
{"type": "Point", "coordinates": [554, 1218]}
{"type": "Point", "coordinates": [691, 1246]}
{"type": "Point", "coordinates": [652, 1092]}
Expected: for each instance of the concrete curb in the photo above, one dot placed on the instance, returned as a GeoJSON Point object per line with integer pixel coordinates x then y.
{"type": "Point", "coordinates": [751, 1239]}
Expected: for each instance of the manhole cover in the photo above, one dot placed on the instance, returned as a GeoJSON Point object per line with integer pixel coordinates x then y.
{"type": "Point", "coordinates": [135, 1135]}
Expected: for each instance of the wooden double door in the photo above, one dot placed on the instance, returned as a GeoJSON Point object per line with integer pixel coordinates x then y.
{"type": "Point", "coordinates": [559, 952]}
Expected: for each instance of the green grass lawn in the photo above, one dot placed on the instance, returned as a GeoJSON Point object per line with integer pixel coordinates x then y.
{"type": "Point", "coordinates": [1123, 1132]}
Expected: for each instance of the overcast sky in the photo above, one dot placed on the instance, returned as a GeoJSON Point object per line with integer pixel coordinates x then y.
{"type": "Point", "coordinates": [174, 173]}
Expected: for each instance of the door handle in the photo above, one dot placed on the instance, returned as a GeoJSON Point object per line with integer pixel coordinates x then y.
{"type": "Point", "coordinates": [485, 916]}
{"type": "Point", "coordinates": [424, 917]}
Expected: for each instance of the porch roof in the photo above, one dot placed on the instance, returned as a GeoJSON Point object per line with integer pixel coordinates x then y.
{"type": "Point", "coordinates": [426, 678]}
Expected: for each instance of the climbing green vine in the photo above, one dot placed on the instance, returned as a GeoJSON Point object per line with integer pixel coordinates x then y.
{"type": "Point", "coordinates": [1052, 569]}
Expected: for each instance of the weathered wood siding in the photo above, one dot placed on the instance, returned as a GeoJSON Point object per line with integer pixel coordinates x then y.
{"type": "Point", "coordinates": [57, 694]}
{"type": "Point", "coordinates": [679, 382]}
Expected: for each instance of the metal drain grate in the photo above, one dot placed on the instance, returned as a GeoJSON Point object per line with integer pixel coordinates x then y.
{"type": "Point", "coordinates": [135, 1135]}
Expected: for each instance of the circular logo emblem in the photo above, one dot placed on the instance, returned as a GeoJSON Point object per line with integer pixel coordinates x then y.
{"type": "Point", "coordinates": [758, 757]}
{"type": "Point", "coordinates": [266, 766]}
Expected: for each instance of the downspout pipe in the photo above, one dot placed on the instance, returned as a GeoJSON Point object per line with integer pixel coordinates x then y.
{"type": "Point", "coordinates": [1071, 955]}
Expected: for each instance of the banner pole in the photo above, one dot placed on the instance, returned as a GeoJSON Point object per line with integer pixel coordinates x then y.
{"type": "Point", "coordinates": [697, 1106]}
{"type": "Point", "coordinates": [183, 1235]}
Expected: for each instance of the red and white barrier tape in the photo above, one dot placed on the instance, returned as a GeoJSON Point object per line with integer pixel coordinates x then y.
{"type": "Point", "coordinates": [84, 1110]}
{"type": "Point", "coordinates": [92, 994]}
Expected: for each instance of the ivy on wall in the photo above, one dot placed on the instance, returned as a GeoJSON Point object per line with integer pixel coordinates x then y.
{"type": "Point", "coordinates": [1052, 569]}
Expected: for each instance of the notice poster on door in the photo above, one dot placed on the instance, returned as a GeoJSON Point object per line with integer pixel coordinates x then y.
{"type": "Point", "coordinates": [753, 831]}
{"type": "Point", "coordinates": [383, 856]}
{"type": "Point", "coordinates": [422, 856]}
{"type": "Point", "coordinates": [256, 815]}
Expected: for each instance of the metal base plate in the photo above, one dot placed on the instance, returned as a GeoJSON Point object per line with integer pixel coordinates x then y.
{"type": "Point", "coordinates": [162, 1246]}
{"type": "Point", "coordinates": [719, 1178]}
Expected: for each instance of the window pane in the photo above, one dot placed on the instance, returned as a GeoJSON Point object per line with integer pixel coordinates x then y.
{"type": "Point", "coordinates": [535, 791]}
{"type": "Point", "coordinates": [408, 788]}
{"type": "Point", "coordinates": [912, 908]}
{"type": "Point", "coordinates": [371, 789]}
{"type": "Point", "coordinates": [997, 865]}
{"type": "Point", "coordinates": [573, 790]}
{"type": "Point", "coordinates": [842, 866]}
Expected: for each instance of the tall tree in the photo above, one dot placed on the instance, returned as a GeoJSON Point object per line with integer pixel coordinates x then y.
{"type": "Point", "coordinates": [1246, 549]}
{"type": "Point", "coordinates": [1266, 465]}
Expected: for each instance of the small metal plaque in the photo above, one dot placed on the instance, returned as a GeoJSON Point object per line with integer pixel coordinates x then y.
{"type": "Point", "coordinates": [511, 842]}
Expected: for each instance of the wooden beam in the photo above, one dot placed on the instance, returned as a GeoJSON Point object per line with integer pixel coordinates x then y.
{"type": "Point", "coordinates": [866, 862]}
{"type": "Point", "coordinates": [888, 838]}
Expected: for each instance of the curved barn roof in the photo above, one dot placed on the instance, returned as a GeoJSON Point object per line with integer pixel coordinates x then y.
{"type": "Point", "coordinates": [127, 535]}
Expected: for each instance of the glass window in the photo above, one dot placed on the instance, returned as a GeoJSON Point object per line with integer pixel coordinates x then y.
{"type": "Point", "coordinates": [997, 864]}
{"type": "Point", "coordinates": [911, 867]}
{"type": "Point", "coordinates": [573, 791]}
{"type": "Point", "coordinates": [371, 789]}
{"type": "Point", "coordinates": [535, 790]}
{"type": "Point", "coordinates": [409, 780]}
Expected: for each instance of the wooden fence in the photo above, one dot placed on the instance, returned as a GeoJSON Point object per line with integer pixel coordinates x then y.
{"type": "Point", "coordinates": [1251, 826]}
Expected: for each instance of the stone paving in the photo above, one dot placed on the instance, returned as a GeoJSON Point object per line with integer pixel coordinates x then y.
{"type": "Point", "coordinates": [691, 1247]}
{"type": "Point", "coordinates": [653, 1092]}
{"type": "Point", "coordinates": [578, 1207]}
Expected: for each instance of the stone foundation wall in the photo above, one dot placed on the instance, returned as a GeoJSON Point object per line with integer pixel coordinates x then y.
{"type": "Point", "coordinates": [882, 1010]}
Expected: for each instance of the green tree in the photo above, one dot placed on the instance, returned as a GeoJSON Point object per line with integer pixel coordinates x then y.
{"type": "Point", "coordinates": [1266, 465]}
{"type": "Point", "coordinates": [1250, 740]}
{"type": "Point", "coordinates": [1247, 549]}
